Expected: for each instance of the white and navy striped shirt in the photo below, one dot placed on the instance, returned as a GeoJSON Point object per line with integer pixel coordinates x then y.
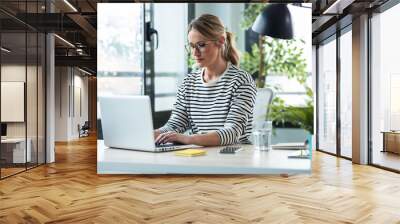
{"type": "Point", "coordinates": [225, 106]}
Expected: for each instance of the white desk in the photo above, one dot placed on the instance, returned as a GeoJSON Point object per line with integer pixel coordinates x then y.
{"type": "Point", "coordinates": [19, 149]}
{"type": "Point", "coordinates": [246, 161]}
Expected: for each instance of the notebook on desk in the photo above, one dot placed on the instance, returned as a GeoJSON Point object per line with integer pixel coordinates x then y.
{"type": "Point", "coordinates": [191, 152]}
{"type": "Point", "coordinates": [127, 123]}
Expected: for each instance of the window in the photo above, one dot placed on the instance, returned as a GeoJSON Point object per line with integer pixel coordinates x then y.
{"type": "Point", "coordinates": [292, 92]}
{"type": "Point", "coordinates": [327, 96]}
{"type": "Point", "coordinates": [385, 84]}
{"type": "Point", "coordinates": [346, 94]}
{"type": "Point", "coordinates": [170, 58]}
{"type": "Point", "coordinates": [120, 49]}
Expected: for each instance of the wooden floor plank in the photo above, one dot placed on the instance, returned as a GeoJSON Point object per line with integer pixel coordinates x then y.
{"type": "Point", "coordinates": [70, 191]}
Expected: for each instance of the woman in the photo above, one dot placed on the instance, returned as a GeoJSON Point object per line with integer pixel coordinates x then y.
{"type": "Point", "coordinates": [216, 103]}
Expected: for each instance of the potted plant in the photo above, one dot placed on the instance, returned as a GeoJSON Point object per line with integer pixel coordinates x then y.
{"type": "Point", "coordinates": [280, 57]}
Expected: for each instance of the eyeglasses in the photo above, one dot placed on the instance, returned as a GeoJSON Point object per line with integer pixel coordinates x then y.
{"type": "Point", "coordinates": [200, 46]}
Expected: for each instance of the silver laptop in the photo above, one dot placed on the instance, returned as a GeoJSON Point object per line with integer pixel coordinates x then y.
{"type": "Point", "coordinates": [127, 123]}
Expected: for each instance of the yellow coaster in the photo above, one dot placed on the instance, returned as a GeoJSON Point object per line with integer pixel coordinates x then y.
{"type": "Point", "coordinates": [191, 152]}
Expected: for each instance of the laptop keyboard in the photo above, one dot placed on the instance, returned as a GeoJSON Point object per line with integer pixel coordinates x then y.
{"type": "Point", "coordinates": [165, 147]}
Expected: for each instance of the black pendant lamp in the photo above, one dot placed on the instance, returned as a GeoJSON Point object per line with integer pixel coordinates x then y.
{"type": "Point", "coordinates": [274, 21]}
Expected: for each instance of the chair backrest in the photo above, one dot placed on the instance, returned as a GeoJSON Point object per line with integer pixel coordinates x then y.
{"type": "Point", "coordinates": [86, 125]}
{"type": "Point", "coordinates": [261, 108]}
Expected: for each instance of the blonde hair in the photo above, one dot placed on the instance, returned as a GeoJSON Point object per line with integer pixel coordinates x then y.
{"type": "Point", "coordinates": [211, 27]}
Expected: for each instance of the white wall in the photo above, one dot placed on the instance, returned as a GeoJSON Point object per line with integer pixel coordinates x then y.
{"type": "Point", "coordinates": [61, 103]}
{"type": "Point", "coordinates": [33, 126]}
{"type": "Point", "coordinates": [12, 73]}
{"type": "Point", "coordinates": [230, 14]}
{"type": "Point", "coordinates": [70, 83]}
{"type": "Point", "coordinates": [80, 103]}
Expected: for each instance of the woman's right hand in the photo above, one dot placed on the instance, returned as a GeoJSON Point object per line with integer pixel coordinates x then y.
{"type": "Point", "coordinates": [171, 137]}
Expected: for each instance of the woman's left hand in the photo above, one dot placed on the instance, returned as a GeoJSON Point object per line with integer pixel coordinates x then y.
{"type": "Point", "coordinates": [172, 136]}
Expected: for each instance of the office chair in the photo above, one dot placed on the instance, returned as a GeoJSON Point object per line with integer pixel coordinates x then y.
{"type": "Point", "coordinates": [84, 130]}
{"type": "Point", "coordinates": [261, 108]}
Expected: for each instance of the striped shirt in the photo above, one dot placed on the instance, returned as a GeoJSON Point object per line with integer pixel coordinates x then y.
{"type": "Point", "coordinates": [225, 106]}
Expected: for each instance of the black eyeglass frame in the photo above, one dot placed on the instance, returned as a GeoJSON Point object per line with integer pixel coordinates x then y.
{"type": "Point", "coordinates": [190, 47]}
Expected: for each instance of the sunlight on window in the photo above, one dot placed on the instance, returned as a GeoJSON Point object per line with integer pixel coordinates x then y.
{"type": "Point", "coordinates": [327, 97]}
{"type": "Point", "coordinates": [301, 18]}
{"type": "Point", "coordinates": [290, 90]}
{"type": "Point", "coordinates": [120, 37]}
{"type": "Point", "coordinates": [120, 49]}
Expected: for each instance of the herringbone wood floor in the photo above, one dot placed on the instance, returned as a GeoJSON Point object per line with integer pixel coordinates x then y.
{"type": "Point", "coordinates": [70, 191]}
